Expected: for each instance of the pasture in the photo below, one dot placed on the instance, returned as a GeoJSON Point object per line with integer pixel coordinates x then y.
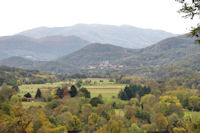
{"type": "Point", "coordinates": [192, 114]}
{"type": "Point", "coordinates": [108, 89]}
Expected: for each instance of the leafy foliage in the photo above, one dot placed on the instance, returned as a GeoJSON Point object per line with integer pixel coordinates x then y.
{"type": "Point", "coordinates": [132, 90]}
{"type": "Point", "coordinates": [191, 9]}
{"type": "Point", "coordinates": [28, 95]}
{"type": "Point", "coordinates": [73, 91]}
{"type": "Point", "coordinates": [95, 101]}
{"type": "Point", "coordinates": [84, 92]}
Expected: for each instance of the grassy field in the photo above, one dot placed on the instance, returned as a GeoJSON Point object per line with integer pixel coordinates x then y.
{"type": "Point", "coordinates": [107, 93]}
{"type": "Point", "coordinates": [28, 104]}
{"type": "Point", "coordinates": [108, 90]}
{"type": "Point", "coordinates": [193, 115]}
{"type": "Point", "coordinates": [32, 88]}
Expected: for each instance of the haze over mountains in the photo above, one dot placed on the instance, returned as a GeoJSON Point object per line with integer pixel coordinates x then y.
{"type": "Point", "coordinates": [124, 36]}
{"type": "Point", "coordinates": [71, 49]}
{"type": "Point", "coordinates": [46, 48]}
{"type": "Point", "coordinates": [176, 51]}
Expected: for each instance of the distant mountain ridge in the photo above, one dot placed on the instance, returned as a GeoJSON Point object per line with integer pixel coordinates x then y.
{"type": "Point", "coordinates": [16, 61]}
{"type": "Point", "coordinates": [46, 48]}
{"type": "Point", "coordinates": [124, 35]}
{"type": "Point", "coordinates": [180, 51]}
{"type": "Point", "coordinates": [177, 51]}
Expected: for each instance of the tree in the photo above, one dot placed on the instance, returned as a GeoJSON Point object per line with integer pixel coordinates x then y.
{"type": "Point", "coordinates": [84, 92]}
{"type": "Point", "coordinates": [43, 125]}
{"type": "Point", "coordinates": [130, 112]}
{"type": "Point", "coordinates": [38, 94]}
{"type": "Point", "coordinates": [161, 122]}
{"type": "Point", "coordinates": [28, 95]}
{"type": "Point", "coordinates": [95, 101]}
{"type": "Point", "coordinates": [94, 122]}
{"type": "Point", "coordinates": [75, 124]}
{"type": "Point", "coordinates": [169, 105]}
{"type": "Point", "coordinates": [122, 95]}
{"type": "Point", "coordinates": [86, 111]}
{"type": "Point", "coordinates": [73, 91]}
{"type": "Point", "coordinates": [79, 83]}
{"type": "Point", "coordinates": [135, 129]}
{"type": "Point", "coordinates": [15, 88]}
{"type": "Point", "coordinates": [148, 101]}
{"type": "Point", "coordinates": [113, 127]}
{"type": "Point", "coordinates": [132, 91]}
{"type": "Point", "coordinates": [191, 9]}
{"type": "Point", "coordinates": [194, 103]}
{"type": "Point", "coordinates": [18, 121]}
{"type": "Point", "coordinates": [5, 92]}
{"type": "Point", "coordinates": [179, 130]}
{"type": "Point", "coordinates": [59, 92]}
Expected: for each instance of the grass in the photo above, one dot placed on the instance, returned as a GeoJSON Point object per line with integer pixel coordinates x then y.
{"type": "Point", "coordinates": [193, 115]}
{"type": "Point", "coordinates": [32, 88]}
{"type": "Point", "coordinates": [108, 90]}
{"type": "Point", "coordinates": [107, 94]}
{"type": "Point", "coordinates": [33, 103]}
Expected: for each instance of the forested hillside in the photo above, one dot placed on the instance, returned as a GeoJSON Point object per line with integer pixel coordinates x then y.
{"type": "Point", "coordinates": [16, 76]}
{"type": "Point", "coordinates": [16, 61]}
{"type": "Point", "coordinates": [178, 51]}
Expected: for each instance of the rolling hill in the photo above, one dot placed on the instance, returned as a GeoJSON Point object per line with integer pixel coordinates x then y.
{"type": "Point", "coordinates": [46, 48]}
{"type": "Point", "coordinates": [16, 61]}
{"type": "Point", "coordinates": [124, 35]}
{"type": "Point", "coordinates": [92, 54]}
{"type": "Point", "coordinates": [178, 51]}
{"type": "Point", "coordinates": [168, 51]}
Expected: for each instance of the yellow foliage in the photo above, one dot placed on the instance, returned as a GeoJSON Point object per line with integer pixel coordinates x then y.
{"type": "Point", "coordinates": [179, 130]}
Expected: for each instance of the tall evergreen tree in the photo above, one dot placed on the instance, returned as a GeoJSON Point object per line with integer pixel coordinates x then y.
{"type": "Point", "coordinates": [73, 91]}
{"type": "Point", "coordinates": [28, 95]}
{"type": "Point", "coordinates": [38, 94]}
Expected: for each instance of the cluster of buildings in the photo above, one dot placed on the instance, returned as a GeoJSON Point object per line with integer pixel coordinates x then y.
{"type": "Point", "coordinates": [104, 65]}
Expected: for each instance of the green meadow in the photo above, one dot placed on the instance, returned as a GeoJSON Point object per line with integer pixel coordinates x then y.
{"type": "Point", "coordinates": [98, 86]}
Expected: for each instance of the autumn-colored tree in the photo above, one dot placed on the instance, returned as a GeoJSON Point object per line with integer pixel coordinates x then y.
{"type": "Point", "coordinates": [113, 127]}
{"type": "Point", "coordinates": [5, 92]}
{"type": "Point", "coordinates": [130, 111]}
{"type": "Point", "coordinates": [161, 122]}
{"type": "Point", "coordinates": [194, 103]}
{"type": "Point", "coordinates": [86, 112]}
{"type": "Point", "coordinates": [75, 124]}
{"type": "Point", "coordinates": [94, 122]}
{"type": "Point", "coordinates": [135, 129]}
{"type": "Point", "coordinates": [179, 130]}
{"type": "Point", "coordinates": [15, 119]}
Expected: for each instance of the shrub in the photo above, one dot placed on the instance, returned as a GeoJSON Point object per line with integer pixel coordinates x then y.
{"type": "Point", "coordinates": [95, 101]}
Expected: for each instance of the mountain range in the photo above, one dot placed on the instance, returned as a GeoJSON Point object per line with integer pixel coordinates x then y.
{"type": "Point", "coordinates": [125, 35]}
{"type": "Point", "coordinates": [180, 51]}
{"type": "Point", "coordinates": [98, 48]}
{"type": "Point", "coordinates": [176, 51]}
{"type": "Point", "coordinates": [46, 48]}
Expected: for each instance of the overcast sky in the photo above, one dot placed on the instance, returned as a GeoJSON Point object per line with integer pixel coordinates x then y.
{"type": "Point", "coordinates": [19, 15]}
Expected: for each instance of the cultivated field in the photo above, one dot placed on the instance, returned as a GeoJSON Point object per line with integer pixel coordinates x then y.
{"type": "Point", "coordinates": [97, 86]}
